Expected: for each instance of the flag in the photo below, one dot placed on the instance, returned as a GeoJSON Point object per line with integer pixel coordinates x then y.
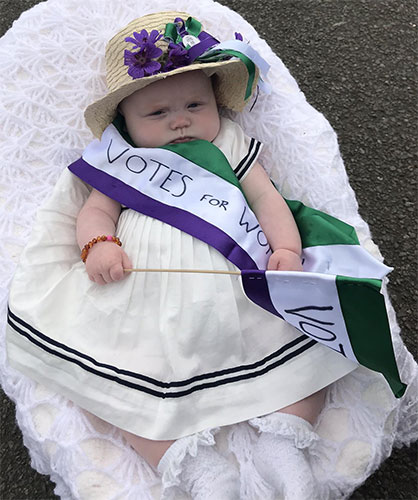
{"type": "Point", "coordinates": [344, 313]}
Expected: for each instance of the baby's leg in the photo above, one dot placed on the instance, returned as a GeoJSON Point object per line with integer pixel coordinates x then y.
{"type": "Point", "coordinates": [308, 408]}
{"type": "Point", "coordinates": [151, 451]}
{"type": "Point", "coordinates": [192, 464]}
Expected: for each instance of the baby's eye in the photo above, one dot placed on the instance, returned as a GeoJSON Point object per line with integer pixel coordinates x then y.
{"type": "Point", "coordinates": [194, 105]}
{"type": "Point", "coordinates": [157, 112]}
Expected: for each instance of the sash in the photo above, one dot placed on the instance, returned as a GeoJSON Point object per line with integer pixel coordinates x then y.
{"type": "Point", "coordinates": [337, 300]}
{"type": "Point", "coordinates": [180, 184]}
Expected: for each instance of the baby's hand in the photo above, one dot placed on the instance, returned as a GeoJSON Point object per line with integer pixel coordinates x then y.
{"type": "Point", "coordinates": [105, 262]}
{"type": "Point", "coordinates": [284, 260]}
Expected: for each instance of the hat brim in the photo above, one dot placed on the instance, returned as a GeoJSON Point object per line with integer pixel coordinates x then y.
{"type": "Point", "coordinates": [230, 88]}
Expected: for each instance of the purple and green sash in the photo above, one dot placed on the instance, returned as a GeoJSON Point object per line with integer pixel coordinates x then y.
{"type": "Point", "coordinates": [191, 186]}
{"type": "Point", "coordinates": [181, 185]}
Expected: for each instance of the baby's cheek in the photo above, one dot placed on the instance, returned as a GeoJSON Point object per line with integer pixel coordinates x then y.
{"type": "Point", "coordinates": [148, 136]}
{"type": "Point", "coordinates": [135, 135]}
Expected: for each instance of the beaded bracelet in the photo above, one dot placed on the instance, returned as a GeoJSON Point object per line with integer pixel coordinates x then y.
{"type": "Point", "coordinates": [87, 247]}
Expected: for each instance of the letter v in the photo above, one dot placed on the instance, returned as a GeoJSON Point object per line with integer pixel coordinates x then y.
{"type": "Point", "coordinates": [296, 312]}
{"type": "Point", "coordinates": [116, 157]}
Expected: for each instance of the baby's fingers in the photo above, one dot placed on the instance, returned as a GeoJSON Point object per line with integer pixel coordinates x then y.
{"type": "Point", "coordinates": [116, 272]}
{"type": "Point", "coordinates": [126, 262]}
{"type": "Point", "coordinates": [291, 264]}
{"type": "Point", "coordinates": [274, 262]}
{"type": "Point", "coordinates": [105, 275]}
{"type": "Point", "coordinates": [97, 278]}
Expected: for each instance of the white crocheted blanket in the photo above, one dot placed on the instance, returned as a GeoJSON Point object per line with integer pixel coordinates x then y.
{"type": "Point", "coordinates": [52, 68]}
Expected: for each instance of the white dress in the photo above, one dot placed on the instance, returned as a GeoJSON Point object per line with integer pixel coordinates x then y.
{"type": "Point", "coordinates": [161, 355]}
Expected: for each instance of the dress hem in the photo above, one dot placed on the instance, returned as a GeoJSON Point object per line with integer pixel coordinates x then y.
{"type": "Point", "coordinates": [164, 419]}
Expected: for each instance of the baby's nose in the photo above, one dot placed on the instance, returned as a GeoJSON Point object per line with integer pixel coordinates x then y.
{"type": "Point", "coordinates": [180, 120]}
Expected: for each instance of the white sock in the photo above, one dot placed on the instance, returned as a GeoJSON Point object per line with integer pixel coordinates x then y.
{"type": "Point", "coordinates": [206, 476]}
{"type": "Point", "coordinates": [279, 456]}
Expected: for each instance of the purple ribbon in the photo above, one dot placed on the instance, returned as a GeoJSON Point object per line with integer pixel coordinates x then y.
{"type": "Point", "coordinates": [206, 40]}
{"type": "Point", "coordinates": [200, 48]}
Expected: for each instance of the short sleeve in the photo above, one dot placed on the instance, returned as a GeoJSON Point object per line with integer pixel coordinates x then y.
{"type": "Point", "coordinates": [240, 150]}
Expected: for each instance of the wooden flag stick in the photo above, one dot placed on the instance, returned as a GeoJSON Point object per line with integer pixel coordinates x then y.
{"type": "Point", "coordinates": [201, 271]}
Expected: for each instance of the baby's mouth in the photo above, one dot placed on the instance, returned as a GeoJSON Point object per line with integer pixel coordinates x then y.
{"type": "Point", "coordinates": [182, 139]}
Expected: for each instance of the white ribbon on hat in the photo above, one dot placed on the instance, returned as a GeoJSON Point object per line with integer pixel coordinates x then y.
{"type": "Point", "coordinates": [251, 53]}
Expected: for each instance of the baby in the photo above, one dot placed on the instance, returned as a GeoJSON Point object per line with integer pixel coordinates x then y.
{"type": "Point", "coordinates": [169, 358]}
{"type": "Point", "coordinates": [179, 109]}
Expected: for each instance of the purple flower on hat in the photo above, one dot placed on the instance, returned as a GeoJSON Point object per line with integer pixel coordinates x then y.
{"type": "Point", "coordinates": [140, 39]}
{"type": "Point", "coordinates": [238, 36]}
{"type": "Point", "coordinates": [177, 57]}
{"type": "Point", "coordinates": [143, 62]}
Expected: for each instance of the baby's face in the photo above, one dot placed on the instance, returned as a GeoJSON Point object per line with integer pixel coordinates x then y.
{"type": "Point", "coordinates": [179, 108]}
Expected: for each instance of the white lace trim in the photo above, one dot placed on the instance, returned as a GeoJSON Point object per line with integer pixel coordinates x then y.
{"type": "Point", "coordinates": [170, 466]}
{"type": "Point", "coordinates": [286, 425]}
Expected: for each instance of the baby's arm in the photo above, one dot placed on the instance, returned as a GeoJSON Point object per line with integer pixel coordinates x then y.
{"type": "Point", "coordinates": [275, 219]}
{"type": "Point", "coordinates": [105, 260]}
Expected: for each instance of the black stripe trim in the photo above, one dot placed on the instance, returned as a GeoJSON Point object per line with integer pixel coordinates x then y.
{"type": "Point", "coordinates": [145, 378]}
{"type": "Point", "coordinates": [156, 382]}
{"type": "Point", "coordinates": [249, 159]}
{"type": "Point", "coordinates": [242, 162]}
{"type": "Point", "coordinates": [165, 395]}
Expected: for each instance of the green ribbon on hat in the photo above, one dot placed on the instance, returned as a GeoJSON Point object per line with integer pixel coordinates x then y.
{"type": "Point", "coordinates": [246, 60]}
{"type": "Point", "coordinates": [192, 26]}
{"type": "Point", "coordinates": [171, 33]}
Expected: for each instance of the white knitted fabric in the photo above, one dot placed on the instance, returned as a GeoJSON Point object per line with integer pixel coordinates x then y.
{"type": "Point", "coordinates": [279, 454]}
{"type": "Point", "coordinates": [193, 464]}
{"type": "Point", "coordinates": [52, 68]}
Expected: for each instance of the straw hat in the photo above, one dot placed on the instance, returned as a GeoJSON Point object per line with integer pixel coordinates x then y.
{"type": "Point", "coordinates": [229, 84]}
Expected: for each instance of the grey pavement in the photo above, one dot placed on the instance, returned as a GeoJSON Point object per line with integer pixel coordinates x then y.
{"type": "Point", "coordinates": [356, 62]}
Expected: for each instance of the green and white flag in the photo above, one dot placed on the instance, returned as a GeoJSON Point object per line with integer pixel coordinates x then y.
{"type": "Point", "coordinates": [346, 314]}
